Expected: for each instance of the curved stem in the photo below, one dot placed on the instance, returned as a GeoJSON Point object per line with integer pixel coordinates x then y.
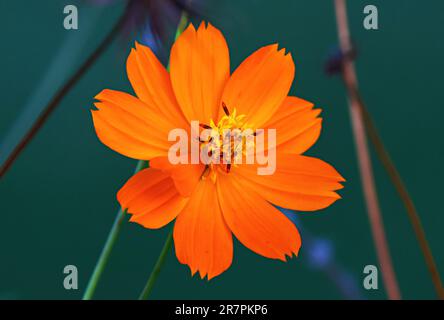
{"type": "Point", "coordinates": [104, 256]}
{"type": "Point", "coordinates": [365, 165]}
{"type": "Point", "coordinates": [61, 93]}
{"type": "Point", "coordinates": [157, 267]}
{"type": "Point", "coordinates": [109, 244]}
{"type": "Point", "coordinates": [115, 230]}
{"type": "Point", "coordinates": [169, 240]}
{"type": "Point", "coordinates": [403, 193]}
{"type": "Point", "coordinates": [400, 187]}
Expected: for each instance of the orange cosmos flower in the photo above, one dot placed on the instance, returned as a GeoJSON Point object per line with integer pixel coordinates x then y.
{"type": "Point", "coordinates": [211, 203]}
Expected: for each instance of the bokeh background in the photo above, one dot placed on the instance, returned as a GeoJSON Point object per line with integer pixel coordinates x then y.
{"type": "Point", "coordinates": [59, 199]}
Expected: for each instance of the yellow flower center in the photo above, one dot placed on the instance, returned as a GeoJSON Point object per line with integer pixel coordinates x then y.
{"type": "Point", "coordinates": [227, 143]}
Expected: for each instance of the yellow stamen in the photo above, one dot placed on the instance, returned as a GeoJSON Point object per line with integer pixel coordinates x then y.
{"type": "Point", "coordinates": [232, 152]}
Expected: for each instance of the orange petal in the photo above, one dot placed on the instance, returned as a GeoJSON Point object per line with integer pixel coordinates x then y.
{"type": "Point", "coordinates": [152, 199]}
{"type": "Point", "coordinates": [299, 182]}
{"type": "Point", "coordinates": [128, 126]}
{"type": "Point", "coordinates": [151, 82]}
{"type": "Point", "coordinates": [297, 125]}
{"type": "Point", "coordinates": [260, 84]}
{"type": "Point", "coordinates": [200, 67]}
{"type": "Point", "coordinates": [255, 222]}
{"type": "Point", "coordinates": [185, 176]}
{"type": "Point", "coordinates": [201, 237]}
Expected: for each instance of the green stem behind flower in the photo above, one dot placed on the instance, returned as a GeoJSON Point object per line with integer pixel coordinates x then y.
{"type": "Point", "coordinates": [157, 267]}
{"type": "Point", "coordinates": [115, 230]}
{"type": "Point", "coordinates": [109, 244]}
{"type": "Point", "coordinates": [169, 240]}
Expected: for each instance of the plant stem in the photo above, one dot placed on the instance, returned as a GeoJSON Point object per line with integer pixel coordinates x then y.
{"type": "Point", "coordinates": [169, 240]}
{"type": "Point", "coordinates": [365, 166]}
{"type": "Point", "coordinates": [109, 244]}
{"type": "Point", "coordinates": [115, 230]}
{"type": "Point", "coordinates": [157, 267]}
{"type": "Point", "coordinates": [104, 256]}
{"type": "Point", "coordinates": [403, 193]}
{"type": "Point", "coordinates": [61, 93]}
{"type": "Point", "coordinates": [400, 187]}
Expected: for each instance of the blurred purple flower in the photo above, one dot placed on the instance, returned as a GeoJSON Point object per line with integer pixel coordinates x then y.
{"type": "Point", "coordinates": [320, 253]}
{"type": "Point", "coordinates": [148, 38]}
{"type": "Point", "coordinates": [320, 256]}
{"type": "Point", "coordinates": [159, 16]}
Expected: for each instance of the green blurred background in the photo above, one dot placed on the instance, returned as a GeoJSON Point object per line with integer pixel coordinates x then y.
{"type": "Point", "coordinates": [59, 199]}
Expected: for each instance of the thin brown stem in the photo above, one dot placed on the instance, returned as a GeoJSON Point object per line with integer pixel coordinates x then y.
{"type": "Point", "coordinates": [61, 93]}
{"type": "Point", "coordinates": [403, 193]}
{"type": "Point", "coordinates": [365, 165]}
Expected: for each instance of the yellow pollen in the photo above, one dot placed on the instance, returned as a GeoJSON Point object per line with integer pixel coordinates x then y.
{"type": "Point", "coordinates": [230, 152]}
